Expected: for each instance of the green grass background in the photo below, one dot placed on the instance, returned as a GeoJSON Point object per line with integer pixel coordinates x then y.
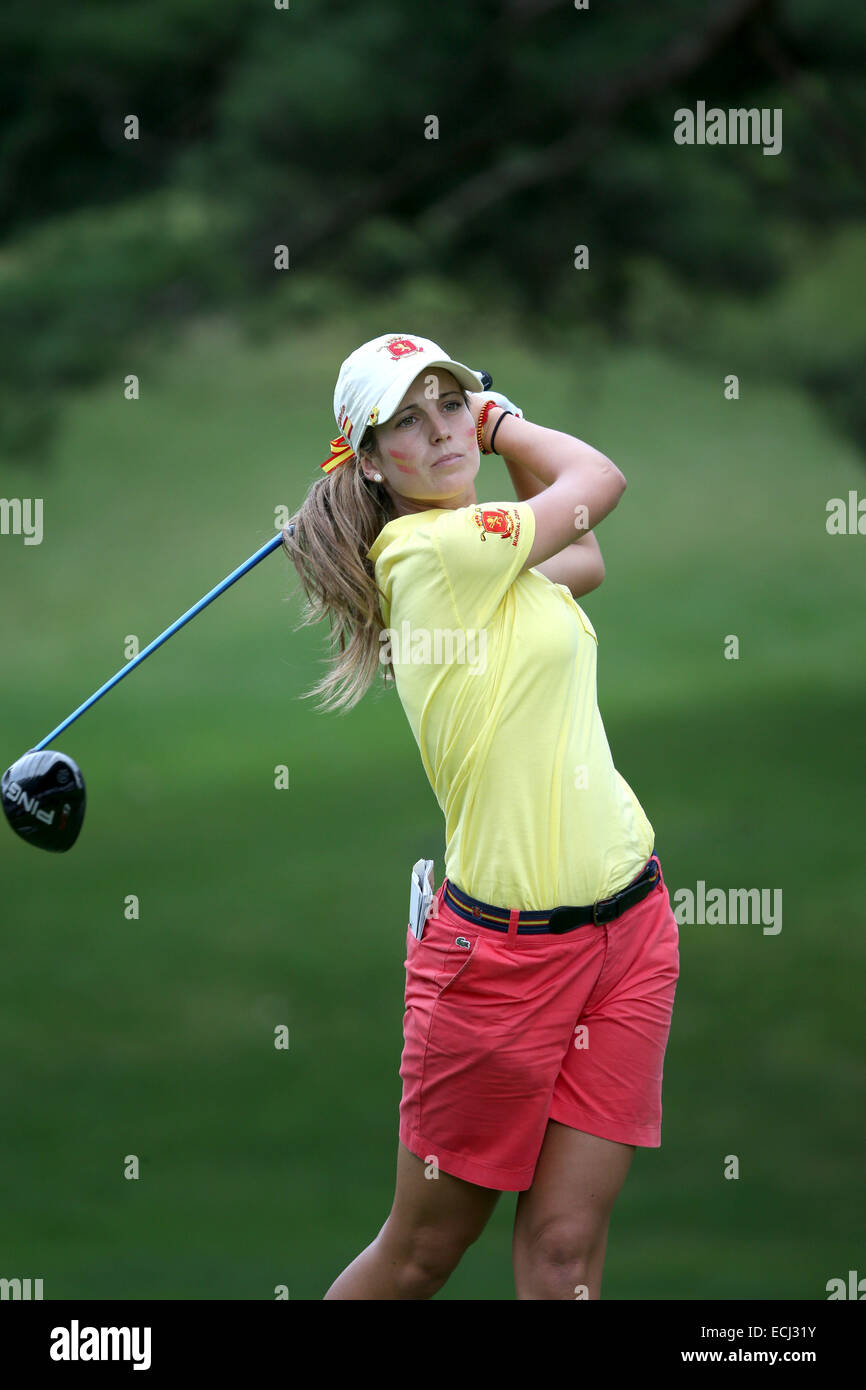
{"type": "Point", "coordinates": [259, 907]}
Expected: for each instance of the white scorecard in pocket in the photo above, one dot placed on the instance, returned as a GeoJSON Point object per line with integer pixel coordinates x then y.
{"type": "Point", "coordinates": [420, 895]}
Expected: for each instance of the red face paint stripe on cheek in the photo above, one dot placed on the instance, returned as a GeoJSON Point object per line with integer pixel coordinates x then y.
{"type": "Point", "coordinates": [392, 453]}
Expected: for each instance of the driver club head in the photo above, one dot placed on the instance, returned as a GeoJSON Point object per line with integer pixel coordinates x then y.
{"type": "Point", "coordinates": [43, 799]}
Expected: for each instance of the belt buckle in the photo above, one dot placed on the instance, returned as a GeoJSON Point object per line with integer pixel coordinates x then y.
{"type": "Point", "coordinates": [605, 903]}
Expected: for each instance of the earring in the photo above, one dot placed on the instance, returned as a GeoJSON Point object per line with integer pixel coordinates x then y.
{"type": "Point", "coordinates": [377, 477]}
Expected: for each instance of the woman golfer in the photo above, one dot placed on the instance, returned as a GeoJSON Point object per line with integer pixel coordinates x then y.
{"type": "Point", "coordinates": [539, 996]}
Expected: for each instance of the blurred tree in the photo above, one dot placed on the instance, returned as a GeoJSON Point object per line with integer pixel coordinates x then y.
{"type": "Point", "coordinates": [261, 127]}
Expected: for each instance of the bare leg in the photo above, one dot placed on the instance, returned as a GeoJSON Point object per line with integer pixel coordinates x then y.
{"type": "Point", "coordinates": [561, 1224]}
{"type": "Point", "coordinates": [431, 1223]}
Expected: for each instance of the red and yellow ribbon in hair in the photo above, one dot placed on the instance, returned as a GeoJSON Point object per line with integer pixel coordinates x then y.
{"type": "Point", "coordinates": [341, 452]}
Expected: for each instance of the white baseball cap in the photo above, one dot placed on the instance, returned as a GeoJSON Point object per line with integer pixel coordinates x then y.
{"type": "Point", "coordinates": [376, 376]}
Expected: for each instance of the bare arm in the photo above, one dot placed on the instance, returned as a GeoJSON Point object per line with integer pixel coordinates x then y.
{"type": "Point", "coordinates": [583, 485]}
{"type": "Point", "coordinates": [579, 566]}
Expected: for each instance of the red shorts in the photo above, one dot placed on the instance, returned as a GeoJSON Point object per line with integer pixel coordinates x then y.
{"type": "Point", "coordinates": [509, 1031]}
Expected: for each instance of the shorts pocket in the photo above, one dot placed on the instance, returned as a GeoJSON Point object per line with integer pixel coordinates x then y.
{"type": "Point", "coordinates": [460, 949]}
{"type": "Point", "coordinates": [447, 947]}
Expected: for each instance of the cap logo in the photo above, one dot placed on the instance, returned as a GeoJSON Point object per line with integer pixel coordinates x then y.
{"type": "Point", "coordinates": [401, 347]}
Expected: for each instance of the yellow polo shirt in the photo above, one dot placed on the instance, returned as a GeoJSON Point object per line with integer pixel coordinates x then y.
{"type": "Point", "coordinates": [495, 667]}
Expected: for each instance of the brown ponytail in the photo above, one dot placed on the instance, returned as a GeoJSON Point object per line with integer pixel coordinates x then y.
{"type": "Point", "coordinates": [339, 520]}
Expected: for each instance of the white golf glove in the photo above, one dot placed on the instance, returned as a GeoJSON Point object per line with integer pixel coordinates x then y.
{"type": "Point", "coordinates": [498, 397]}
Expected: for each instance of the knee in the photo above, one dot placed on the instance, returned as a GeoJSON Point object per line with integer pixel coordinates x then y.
{"type": "Point", "coordinates": [557, 1260]}
{"type": "Point", "coordinates": [425, 1257]}
{"type": "Point", "coordinates": [434, 1254]}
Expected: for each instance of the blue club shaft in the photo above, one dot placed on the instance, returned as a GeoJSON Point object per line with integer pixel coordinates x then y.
{"type": "Point", "coordinates": [158, 641]}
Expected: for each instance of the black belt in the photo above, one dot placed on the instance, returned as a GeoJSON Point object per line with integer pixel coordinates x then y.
{"type": "Point", "coordinates": [557, 919]}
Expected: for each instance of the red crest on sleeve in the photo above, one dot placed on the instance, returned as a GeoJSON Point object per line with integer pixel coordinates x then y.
{"type": "Point", "coordinates": [495, 521]}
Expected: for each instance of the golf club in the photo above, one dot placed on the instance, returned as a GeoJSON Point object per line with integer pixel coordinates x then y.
{"type": "Point", "coordinates": [43, 793]}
